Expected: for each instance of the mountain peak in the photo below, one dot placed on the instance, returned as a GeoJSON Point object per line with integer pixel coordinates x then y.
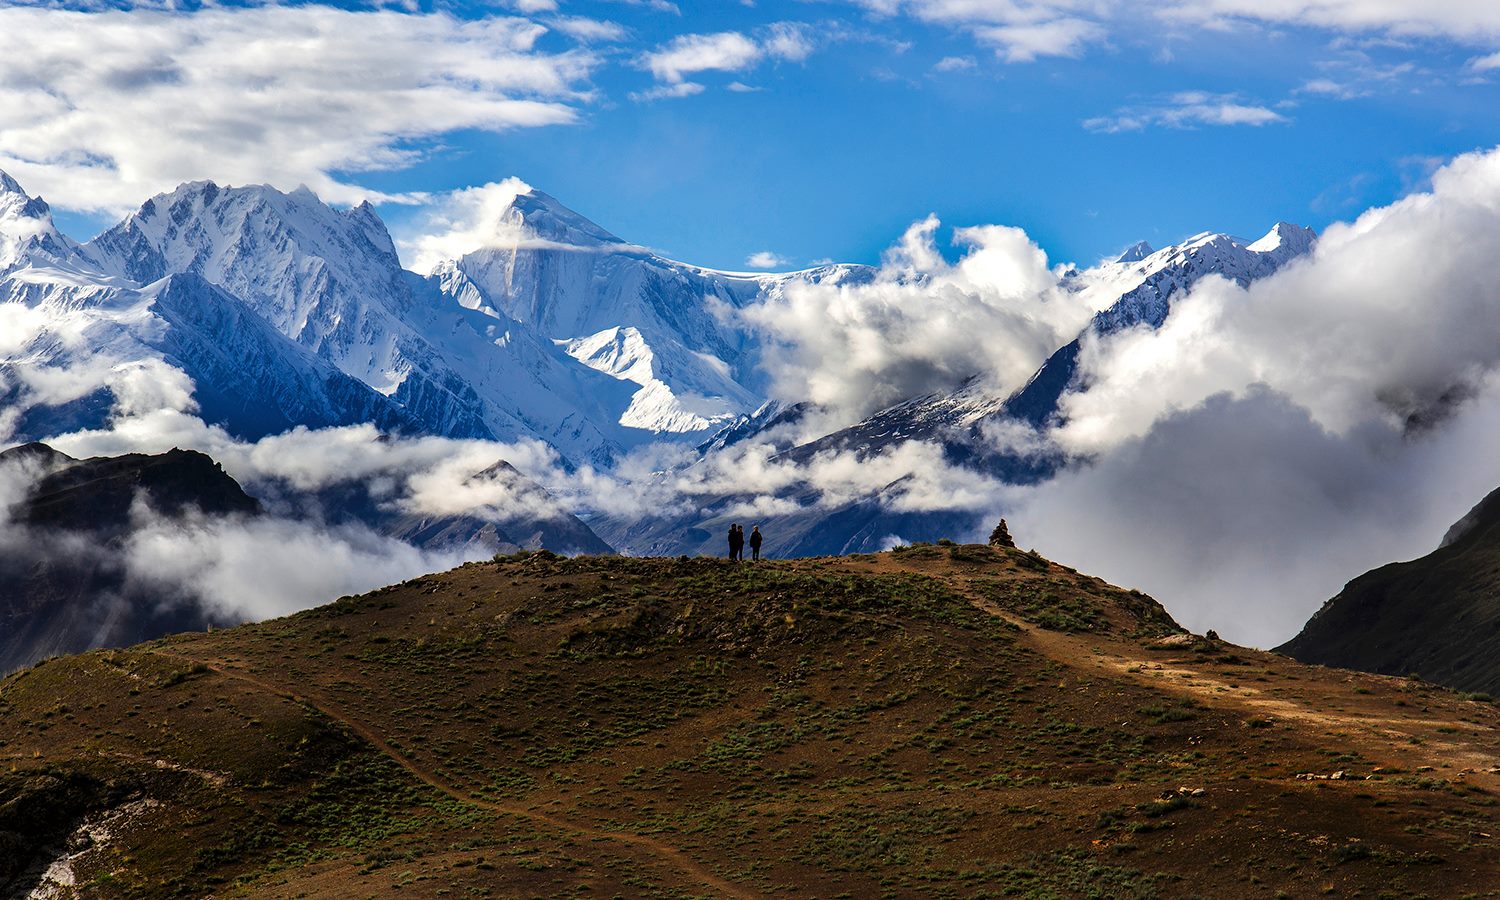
{"type": "Point", "coordinates": [9, 185]}
{"type": "Point", "coordinates": [543, 216]}
{"type": "Point", "coordinates": [1136, 252]}
{"type": "Point", "coordinates": [26, 229]}
{"type": "Point", "coordinates": [1286, 237]}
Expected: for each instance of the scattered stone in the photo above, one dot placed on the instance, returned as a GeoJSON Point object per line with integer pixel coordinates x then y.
{"type": "Point", "coordinates": [1176, 640]}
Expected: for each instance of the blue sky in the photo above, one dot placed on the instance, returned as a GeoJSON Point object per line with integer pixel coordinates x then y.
{"type": "Point", "coordinates": [806, 130]}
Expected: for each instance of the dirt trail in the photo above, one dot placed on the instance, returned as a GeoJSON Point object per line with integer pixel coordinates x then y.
{"type": "Point", "coordinates": [665, 852]}
{"type": "Point", "coordinates": [1376, 733]}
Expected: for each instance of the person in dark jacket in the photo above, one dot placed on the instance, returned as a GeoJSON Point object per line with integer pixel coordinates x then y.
{"type": "Point", "coordinates": [736, 542]}
{"type": "Point", "coordinates": [755, 542]}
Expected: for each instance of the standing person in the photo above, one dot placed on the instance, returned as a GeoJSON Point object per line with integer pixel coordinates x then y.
{"type": "Point", "coordinates": [732, 536]}
{"type": "Point", "coordinates": [755, 542]}
{"type": "Point", "coordinates": [736, 542]}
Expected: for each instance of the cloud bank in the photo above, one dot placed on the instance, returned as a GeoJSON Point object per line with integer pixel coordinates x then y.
{"type": "Point", "coordinates": [103, 108]}
{"type": "Point", "coordinates": [923, 324]}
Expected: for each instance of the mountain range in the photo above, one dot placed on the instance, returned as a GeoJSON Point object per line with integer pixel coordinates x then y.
{"type": "Point", "coordinates": [284, 312]}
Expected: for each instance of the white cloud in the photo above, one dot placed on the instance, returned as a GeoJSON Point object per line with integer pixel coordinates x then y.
{"type": "Point", "coordinates": [727, 51]}
{"type": "Point", "coordinates": [1026, 30]}
{"type": "Point", "coordinates": [1019, 31]}
{"type": "Point", "coordinates": [923, 324]}
{"type": "Point", "coordinates": [103, 108]}
{"type": "Point", "coordinates": [788, 40]}
{"type": "Point", "coordinates": [589, 30]}
{"type": "Point", "coordinates": [1187, 109]}
{"type": "Point", "coordinates": [464, 221]}
{"type": "Point", "coordinates": [765, 259]}
{"type": "Point", "coordinates": [657, 5]}
{"type": "Point", "coordinates": [673, 91]}
{"type": "Point", "coordinates": [1031, 41]}
{"type": "Point", "coordinates": [1462, 20]}
{"type": "Point", "coordinates": [955, 64]}
{"type": "Point", "coordinates": [221, 563]}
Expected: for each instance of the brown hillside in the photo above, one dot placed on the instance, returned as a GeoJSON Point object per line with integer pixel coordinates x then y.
{"type": "Point", "coordinates": [940, 721]}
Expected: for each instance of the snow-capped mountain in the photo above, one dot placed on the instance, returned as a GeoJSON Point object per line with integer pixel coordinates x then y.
{"type": "Point", "coordinates": [555, 330]}
{"type": "Point", "coordinates": [666, 327]}
{"type": "Point", "coordinates": [280, 311]}
{"type": "Point", "coordinates": [27, 234]}
{"type": "Point", "coordinates": [331, 281]}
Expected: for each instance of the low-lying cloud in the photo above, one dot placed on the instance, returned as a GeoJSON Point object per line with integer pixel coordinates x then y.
{"type": "Point", "coordinates": [923, 324]}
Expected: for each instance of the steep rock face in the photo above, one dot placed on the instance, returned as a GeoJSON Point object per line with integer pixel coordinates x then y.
{"type": "Point", "coordinates": [1438, 616]}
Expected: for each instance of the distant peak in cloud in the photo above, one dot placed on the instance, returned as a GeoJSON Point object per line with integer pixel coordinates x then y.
{"type": "Point", "coordinates": [504, 214]}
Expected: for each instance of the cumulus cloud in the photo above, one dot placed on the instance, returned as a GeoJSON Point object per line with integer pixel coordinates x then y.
{"type": "Point", "coordinates": [281, 94]}
{"type": "Point", "coordinates": [1243, 514]}
{"type": "Point", "coordinates": [1186, 109]}
{"type": "Point", "coordinates": [1390, 315]}
{"type": "Point", "coordinates": [221, 563]}
{"type": "Point", "coordinates": [923, 324]}
{"type": "Point", "coordinates": [1031, 41]}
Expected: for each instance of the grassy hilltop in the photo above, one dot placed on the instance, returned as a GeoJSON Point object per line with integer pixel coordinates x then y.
{"type": "Point", "coordinates": [936, 721]}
